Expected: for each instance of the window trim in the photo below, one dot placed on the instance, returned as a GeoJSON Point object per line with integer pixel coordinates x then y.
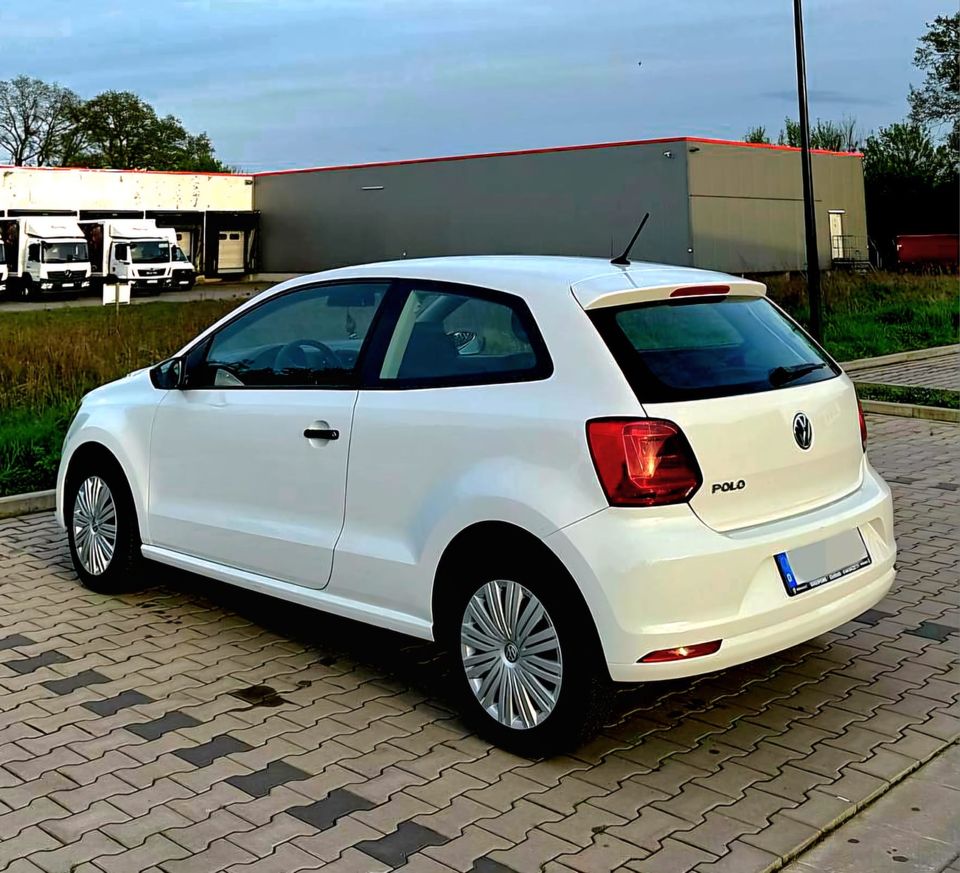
{"type": "Point", "coordinates": [403, 288]}
{"type": "Point", "coordinates": [195, 355]}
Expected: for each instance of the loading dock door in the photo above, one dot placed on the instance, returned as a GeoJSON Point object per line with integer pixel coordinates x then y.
{"type": "Point", "coordinates": [185, 241]}
{"type": "Point", "coordinates": [230, 252]}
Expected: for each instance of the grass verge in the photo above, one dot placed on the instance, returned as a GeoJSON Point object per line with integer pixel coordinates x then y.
{"type": "Point", "coordinates": [909, 394]}
{"type": "Point", "coordinates": [876, 314]}
{"type": "Point", "coordinates": [49, 359]}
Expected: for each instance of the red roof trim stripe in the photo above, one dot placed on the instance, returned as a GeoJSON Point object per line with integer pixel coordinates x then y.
{"type": "Point", "coordinates": [540, 151]}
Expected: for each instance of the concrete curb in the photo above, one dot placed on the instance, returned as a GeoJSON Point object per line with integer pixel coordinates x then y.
{"type": "Point", "coordinates": [24, 504]}
{"type": "Point", "coordinates": [911, 410]}
{"type": "Point", "coordinates": [899, 358]}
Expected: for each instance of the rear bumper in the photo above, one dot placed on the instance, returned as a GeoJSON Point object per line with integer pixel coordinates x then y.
{"type": "Point", "coordinates": [662, 579]}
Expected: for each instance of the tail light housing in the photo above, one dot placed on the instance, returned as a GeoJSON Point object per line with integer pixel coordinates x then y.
{"type": "Point", "coordinates": [863, 425]}
{"type": "Point", "coordinates": [642, 462]}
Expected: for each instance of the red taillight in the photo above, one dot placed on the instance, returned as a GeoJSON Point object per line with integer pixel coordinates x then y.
{"type": "Point", "coordinates": [642, 462]}
{"type": "Point", "coordinates": [681, 653]}
{"type": "Point", "coordinates": [863, 426]}
{"type": "Point", "coordinates": [697, 290]}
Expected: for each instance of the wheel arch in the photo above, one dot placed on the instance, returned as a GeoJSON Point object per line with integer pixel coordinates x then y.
{"type": "Point", "coordinates": [478, 538]}
{"type": "Point", "coordinates": [85, 456]}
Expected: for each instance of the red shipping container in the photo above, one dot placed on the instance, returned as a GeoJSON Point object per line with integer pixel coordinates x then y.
{"type": "Point", "coordinates": [930, 248]}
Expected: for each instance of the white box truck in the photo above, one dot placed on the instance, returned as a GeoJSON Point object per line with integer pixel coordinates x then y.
{"type": "Point", "coordinates": [45, 254]}
{"type": "Point", "coordinates": [183, 273]}
{"type": "Point", "coordinates": [129, 250]}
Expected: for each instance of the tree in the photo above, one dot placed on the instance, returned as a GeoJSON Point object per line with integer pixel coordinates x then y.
{"type": "Point", "coordinates": [834, 136]}
{"type": "Point", "coordinates": [937, 100]}
{"type": "Point", "coordinates": [910, 183]}
{"type": "Point", "coordinates": [906, 152]}
{"type": "Point", "coordinates": [120, 130]}
{"type": "Point", "coordinates": [757, 134]}
{"type": "Point", "coordinates": [36, 121]}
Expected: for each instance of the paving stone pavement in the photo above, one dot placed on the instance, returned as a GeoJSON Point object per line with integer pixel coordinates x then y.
{"type": "Point", "coordinates": [942, 371]}
{"type": "Point", "coordinates": [194, 727]}
{"type": "Point", "coordinates": [913, 828]}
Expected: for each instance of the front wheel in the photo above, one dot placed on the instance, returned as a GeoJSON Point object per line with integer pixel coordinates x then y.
{"type": "Point", "coordinates": [528, 678]}
{"type": "Point", "coordinates": [102, 529]}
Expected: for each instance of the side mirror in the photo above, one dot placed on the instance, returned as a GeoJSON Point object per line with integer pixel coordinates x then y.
{"type": "Point", "coordinates": [168, 375]}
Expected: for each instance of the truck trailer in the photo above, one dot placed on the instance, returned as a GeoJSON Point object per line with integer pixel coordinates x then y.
{"type": "Point", "coordinates": [129, 250]}
{"type": "Point", "coordinates": [44, 254]}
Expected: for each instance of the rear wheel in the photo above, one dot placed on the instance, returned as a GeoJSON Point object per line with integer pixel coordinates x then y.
{"type": "Point", "coordinates": [102, 528]}
{"type": "Point", "coordinates": [527, 678]}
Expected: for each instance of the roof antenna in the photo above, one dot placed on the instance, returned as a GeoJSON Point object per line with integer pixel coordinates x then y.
{"type": "Point", "coordinates": [623, 261]}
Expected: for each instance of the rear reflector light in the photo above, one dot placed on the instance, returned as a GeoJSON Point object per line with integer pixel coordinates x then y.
{"type": "Point", "coordinates": [863, 425]}
{"type": "Point", "coordinates": [681, 653]}
{"type": "Point", "coordinates": [697, 290]}
{"type": "Point", "coordinates": [642, 462]}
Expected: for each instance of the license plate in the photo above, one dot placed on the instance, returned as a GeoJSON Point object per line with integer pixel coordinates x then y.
{"type": "Point", "coordinates": [68, 284]}
{"type": "Point", "coordinates": [151, 281]}
{"type": "Point", "coordinates": [819, 563]}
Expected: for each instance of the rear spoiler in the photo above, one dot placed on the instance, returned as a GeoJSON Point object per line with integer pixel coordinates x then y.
{"type": "Point", "coordinates": [621, 289]}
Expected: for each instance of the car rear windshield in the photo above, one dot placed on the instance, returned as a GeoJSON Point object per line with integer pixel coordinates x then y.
{"type": "Point", "coordinates": [699, 347]}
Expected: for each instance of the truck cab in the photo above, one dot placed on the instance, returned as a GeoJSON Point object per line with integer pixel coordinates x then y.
{"type": "Point", "coordinates": [133, 251]}
{"type": "Point", "coordinates": [183, 273]}
{"type": "Point", "coordinates": [45, 254]}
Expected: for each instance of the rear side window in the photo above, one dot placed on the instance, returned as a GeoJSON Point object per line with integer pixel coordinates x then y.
{"type": "Point", "coordinates": [452, 335]}
{"type": "Point", "coordinates": [695, 348]}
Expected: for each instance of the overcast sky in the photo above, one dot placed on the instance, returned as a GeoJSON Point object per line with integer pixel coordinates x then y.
{"type": "Point", "coordinates": [293, 83]}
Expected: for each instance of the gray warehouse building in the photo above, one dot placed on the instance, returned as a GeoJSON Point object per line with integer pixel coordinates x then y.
{"type": "Point", "coordinates": [715, 204]}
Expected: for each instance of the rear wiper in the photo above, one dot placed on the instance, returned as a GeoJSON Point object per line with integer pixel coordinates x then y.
{"type": "Point", "coordinates": [784, 375]}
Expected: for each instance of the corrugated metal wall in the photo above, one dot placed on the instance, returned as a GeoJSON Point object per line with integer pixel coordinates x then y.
{"type": "Point", "coordinates": [746, 206]}
{"type": "Point", "coordinates": [576, 202]}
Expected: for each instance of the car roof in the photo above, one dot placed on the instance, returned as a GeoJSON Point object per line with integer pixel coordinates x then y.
{"type": "Point", "coordinates": [532, 276]}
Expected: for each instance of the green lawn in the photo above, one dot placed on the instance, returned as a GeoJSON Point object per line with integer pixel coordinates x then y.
{"type": "Point", "coordinates": [879, 313]}
{"type": "Point", "coordinates": [50, 359]}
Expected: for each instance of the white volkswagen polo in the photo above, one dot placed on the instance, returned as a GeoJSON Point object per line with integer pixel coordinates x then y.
{"type": "Point", "coordinates": [565, 471]}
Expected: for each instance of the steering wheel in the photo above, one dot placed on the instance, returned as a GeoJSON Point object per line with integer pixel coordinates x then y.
{"type": "Point", "coordinates": [292, 356]}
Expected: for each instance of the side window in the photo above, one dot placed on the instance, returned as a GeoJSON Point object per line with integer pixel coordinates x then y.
{"type": "Point", "coordinates": [33, 252]}
{"type": "Point", "coordinates": [310, 338]}
{"type": "Point", "coordinates": [457, 337]}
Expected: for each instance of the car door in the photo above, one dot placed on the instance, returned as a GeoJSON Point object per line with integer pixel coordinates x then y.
{"type": "Point", "coordinates": [248, 460]}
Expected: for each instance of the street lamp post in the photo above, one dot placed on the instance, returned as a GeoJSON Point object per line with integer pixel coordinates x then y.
{"type": "Point", "coordinates": [814, 294]}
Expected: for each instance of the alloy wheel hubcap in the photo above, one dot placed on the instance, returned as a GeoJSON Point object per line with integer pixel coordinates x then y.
{"type": "Point", "coordinates": [94, 525]}
{"type": "Point", "coordinates": [511, 654]}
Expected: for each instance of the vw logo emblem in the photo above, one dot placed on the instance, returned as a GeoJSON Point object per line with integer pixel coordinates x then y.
{"type": "Point", "coordinates": [511, 653]}
{"type": "Point", "coordinates": [802, 431]}
{"type": "Point", "coordinates": [68, 273]}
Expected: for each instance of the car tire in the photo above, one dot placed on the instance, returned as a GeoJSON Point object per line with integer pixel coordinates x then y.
{"type": "Point", "coordinates": [554, 698]}
{"type": "Point", "coordinates": [102, 529]}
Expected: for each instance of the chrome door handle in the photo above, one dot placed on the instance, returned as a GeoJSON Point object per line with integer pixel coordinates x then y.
{"type": "Point", "coordinates": [321, 433]}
